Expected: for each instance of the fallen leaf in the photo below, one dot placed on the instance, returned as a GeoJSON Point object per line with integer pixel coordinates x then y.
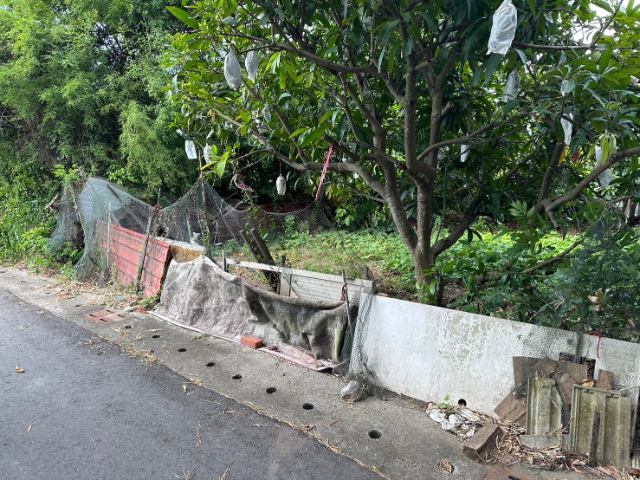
{"type": "Point", "coordinates": [632, 323]}
{"type": "Point", "coordinates": [445, 466]}
{"type": "Point", "coordinates": [41, 312]}
{"type": "Point", "coordinates": [29, 429]}
{"type": "Point", "coordinates": [593, 299]}
{"type": "Point", "coordinates": [19, 370]}
{"type": "Point", "coordinates": [156, 330]}
{"type": "Point", "coordinates": [184, 386]}
{"type": "Point", "coordinates": [587, 382]}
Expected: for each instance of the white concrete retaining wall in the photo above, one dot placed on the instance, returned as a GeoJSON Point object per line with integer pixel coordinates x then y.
{"type": "Point", "coordinates": [430, 353]}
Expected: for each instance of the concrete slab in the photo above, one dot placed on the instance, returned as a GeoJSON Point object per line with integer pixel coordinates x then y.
{"type": "Point", "coordinates": [540, 441]}
{"type": "Point", "coordinates": [544, 407]}
{"type": "Point", "coordinates": [609, 437]}
{"type": "Point", "coordinates": [388, 433]}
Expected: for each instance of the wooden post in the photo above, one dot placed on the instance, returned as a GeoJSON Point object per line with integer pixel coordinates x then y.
{"type": "Point", "coordinates": [366, 274]}
{"type": "Point", "coordinates": [272, 277]}
{"type": "Point", "coordinates": [264, 251]}
{"type": "Point", "coordinates": [143, 255]}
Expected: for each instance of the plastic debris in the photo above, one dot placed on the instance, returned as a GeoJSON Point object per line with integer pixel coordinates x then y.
{"type": "Point", "coordinates": [511, 88]}
{"type": "Point", "coordinates": [567, 126]}
{"type": "Point", "coordinates": [232, 73]}
{"type": "Point", "coordinates": [190, 148]}
{"type": "Point", "coordinates": [448, 426]}
{"type": "Point", "coordinates": [281, 187]}
{"type": "Point", "coordinates": [469, 415]}
{"type": "Point", "coordinates": [208, 153]}
{"type": "Point", "coordinates": [455, 419]}
{"type": "Point", "coordinates": [437, 416]}
{"type": "Point", "coordinates": [459, 421]}
{"type": "Point", "coordinates": [503, 30]}
{"type": "Point", "coordinates": [251, 63]}
{"type": "Point", "coordinates": [353, 391]}
{"type": "Point", "coordinates": [606, 177]}
{"type": "Point", "coordinates": [464, 152]}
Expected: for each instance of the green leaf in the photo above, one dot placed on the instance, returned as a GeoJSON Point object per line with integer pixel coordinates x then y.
{"type": "Point", "coordinates": [604, 60]}
{"type": "Point", "coordinates": [183, 16]}
{"type": "Point", "coordinates": [220, 168]}
{"type": "Point", "coordinates": [433, 26]}
{"type": "Point", "coordinates": [603, 5]}
{"type": "Point", "coordinates": [568, 86]}
{"type": "Point", "coordinates": [392, 57]}
{"type": "Point", "coordinates": [492, 64]}
{"type": "Point", "coordinates": [385, 32]}
{"type": "Point", "coordinates": [299, 131]}
{"type": "Point", "coordinates": [313, 135]}
{"type": "Point", "coordinates": [532, 6]}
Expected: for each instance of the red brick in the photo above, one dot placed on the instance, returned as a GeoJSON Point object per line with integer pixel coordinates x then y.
{"type": "Point", "coordinates": [252, 342]}
{"type": "Point", "coordinates": [140, 310]}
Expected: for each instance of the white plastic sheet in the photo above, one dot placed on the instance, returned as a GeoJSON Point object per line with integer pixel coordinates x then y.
{"type": "Point", "coordinates": [567, 126]}
{"type": "Point", "coordinates": [281, 185]}
{"type": "Point", "coordinates": [606, 177]}
{"type": "Point", "coordinates": [252, 63]}
{"type": "Point", "coordinates": [208, 153]}
{"type": "Point", "coordinates": [232, 73]}
{"type": "Point", "coordinates": [511, 88]}
{"type": "Point", "coordinates": [464, 153]}
{"type": "Point", "coordinates": [503, 30]}
{"type": "Point", "coordinates": [190, 148]}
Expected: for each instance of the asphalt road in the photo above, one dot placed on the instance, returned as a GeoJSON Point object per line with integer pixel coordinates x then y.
{"type": "Point", "coordinates": [82, 409]}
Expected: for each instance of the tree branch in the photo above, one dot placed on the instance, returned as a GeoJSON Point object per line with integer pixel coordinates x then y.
{"type": "Point", "coordinates": [552, 206]}
{"type": "Point", "coordinates": [470, 216]}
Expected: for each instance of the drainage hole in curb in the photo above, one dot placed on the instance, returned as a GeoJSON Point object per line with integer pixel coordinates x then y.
{"type": "Point", "coordinates": [155, 336]}
{"type": "Point", "coordinates": [272, 390]}
{"type": "Point", "coordinates": [237, 377]}
{"type": "Point", "coordinates": [210, 364]}
{"type": "Point", "coordinates": [375, 434]}
{"type": "Point", "coordinates": [308, 406]}
{"type": "Point", "coordinates": [182, 349]}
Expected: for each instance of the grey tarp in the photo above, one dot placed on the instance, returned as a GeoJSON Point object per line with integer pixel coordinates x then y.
{"type": "Point", "coordinates": [200, 294]}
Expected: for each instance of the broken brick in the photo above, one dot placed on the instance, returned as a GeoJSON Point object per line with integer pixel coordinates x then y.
{"type": "Point", "coordinates": [483, 442]}
{"type": "Point", "coordinates": [252, 342]}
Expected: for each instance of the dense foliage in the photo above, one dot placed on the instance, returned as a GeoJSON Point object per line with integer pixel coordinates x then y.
{"type": "Point", "coordinates": [523, 225]}
{"type": "Point", "coordinates": [400, 89]}
{"type": "Point", "coordinates": [81, 86]}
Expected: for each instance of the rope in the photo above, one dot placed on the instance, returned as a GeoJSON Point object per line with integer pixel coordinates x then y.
{"type": "Point", "coordinates": [324, 171]}
{"type": "Point", "coordinates": [599, 335]}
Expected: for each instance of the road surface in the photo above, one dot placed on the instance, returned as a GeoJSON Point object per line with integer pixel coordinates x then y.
{"type": "Point", "coordinates": [82, 409]}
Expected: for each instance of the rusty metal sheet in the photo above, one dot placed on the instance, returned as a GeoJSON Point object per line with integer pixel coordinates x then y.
{"type": "Point", "coordinates": [124, 249]}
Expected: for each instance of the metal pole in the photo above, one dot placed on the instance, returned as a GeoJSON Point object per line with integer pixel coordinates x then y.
{"type": "Point", "coordinates": [109, 232]}
{"type": "Point", "coordinates": [346, 297]}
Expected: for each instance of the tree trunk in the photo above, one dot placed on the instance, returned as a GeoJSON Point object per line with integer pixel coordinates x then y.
{"type": "Point", "coordinates": [423, 263]}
